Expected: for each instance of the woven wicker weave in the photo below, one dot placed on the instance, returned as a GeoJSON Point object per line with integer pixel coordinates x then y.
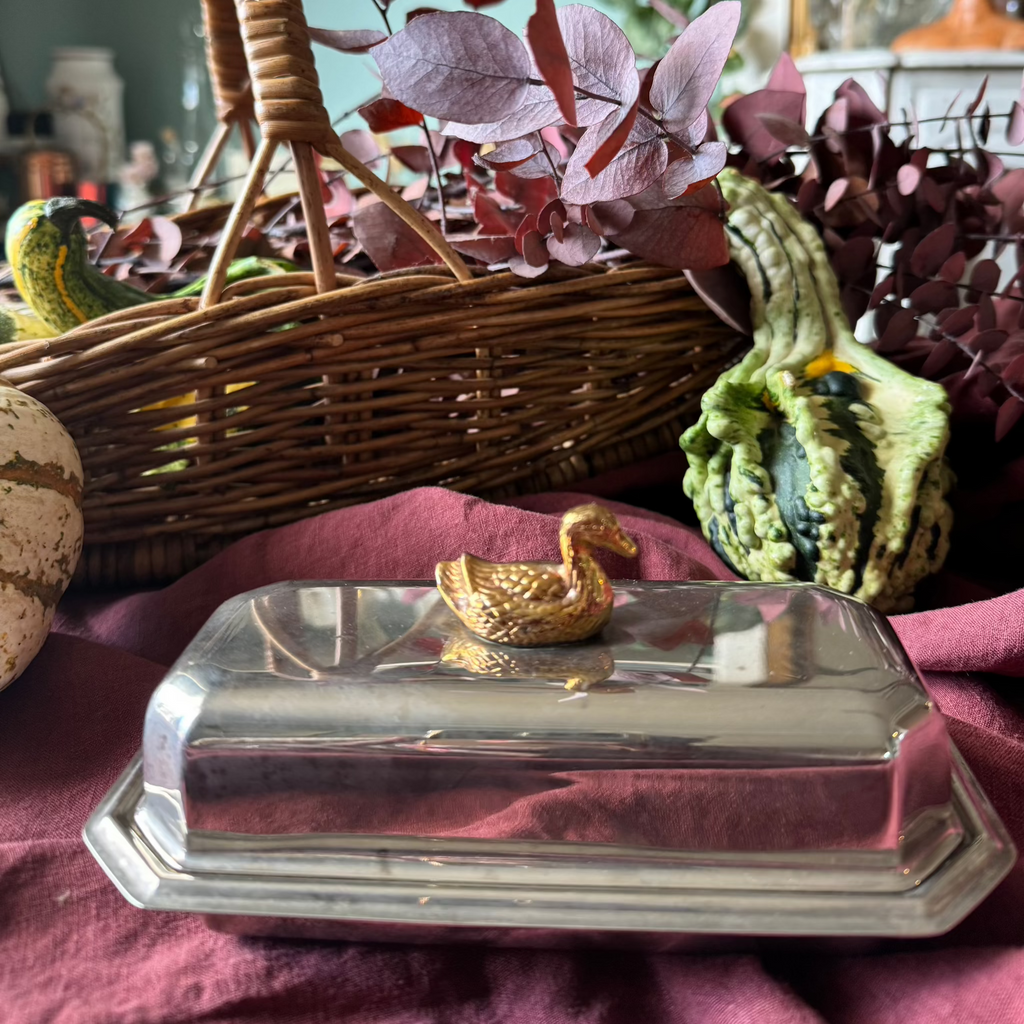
{"type": "Point", "coordinates": [307, 392]}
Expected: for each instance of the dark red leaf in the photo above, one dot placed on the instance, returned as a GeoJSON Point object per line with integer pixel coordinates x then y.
{"type": "Point", "coordinates": [685, 174]}
{"type": "Point", "coordinates": [464, 152]}
{"type": "Point", "coordinates": [932, 193]}
{"type": "Point", "coordinates": [416, 158]}
{"type": "Point", "coordinates": [953, 269]}
{"type": "Point", "coordinates": [985, 277]}
{"type": "Point", "coordinates": [808, 196]}
{"type": "Point", "coordinates": [387, 115]}
{"type": "Point", "coordinates": [358, 40]}
{"type": "Point", "coordinates": [882, 291]}
{"type": "Point", "coordinates": [859, 106]}
{"type": "Point", "coordinates": [604, 141]}
{"type": "Point", "coordinates": [1009, 413]}
{"type": "Point", "coordinates": [745, 127]}
{"type": "Point", "coordinates": [418, 12]}
{"type": "Point", "coordinates": [1010, 192]}
{"type": "Point", "coordinates": [549, 54]}
{"type": "Point", "coordinates": [534, 251]}
{"type": "Point", "coordinates": [687, 76]}
{"type": "Point", "coordinates": [487, 248]}
{"type": "Point", "coordinates": [832, 239]}
{"type": "Point", "coordinates": [932, 296]}
{"type": "Point", "coordinates": [988, 341]}
{"type": "Point", "coordinates": [388, 240]}
{"type": "Point", "coordinates": [726, 293]}
{"type": "Point", "coordinates": [639, 162]}
{"type": "Point", "coordinates": [854, 258]}
{"type": "Point", "coordinates": [986, 125]}
{"type": "Point", "coordinates": [1013, 372]}
{"type": "Point", "coordinates": [493, 220]}
{"type": "Point", "coordinates": [785, 130]}
{"type": "Point", "coordinates": [612, 142]}
{"type": "Point", "coordinates": [507, 155]}
{"type": "Point", "coordinates": [976, 102]}
{"type": "Point", "coordinates": [986, 313]}
{"type": "Point", "coordinates": [138, 236]}
{"type": "Point", "coordinates": [531, 194]}
{"type": "Point", "coordinates": [949, 110]}
{"type": "Point", "coordinates": [836, 191]}
{"type": "Point", "coordinates": [362, 145]}
{"type": "Point", "coordinates": [683, 237]}
{"type": "Point", "coordinates": [577, 246]}
{"type": "Point", "coordinates": [1015, 129]}
{"type": "Point", "coordinates": [526, 225]}
{"type": "Point", "coordinates": [958, 322]}
{"type": "Point", "coordinates": [986, 383]}
{"type": "Point", "coordinates": [553, 209]}
{"type": "Point", "coordinates": [456, 66]}
{"type": "Point", "coordinates": [899, 330]}
{"type": "Point", "coordinates": [854, 302]}
{"type": "Point", "coordinates": [786, 78]}
{"type": "Point", "coordinates": [941, 356]}
{"type": "Point", "coordinates": [933, 250]}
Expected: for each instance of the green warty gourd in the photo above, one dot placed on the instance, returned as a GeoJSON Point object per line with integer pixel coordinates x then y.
{"type": "Point", "coordinates": [815, 458]}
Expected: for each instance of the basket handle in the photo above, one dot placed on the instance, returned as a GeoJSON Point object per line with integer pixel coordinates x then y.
{"type": "Point", "coordinates": [229, 81]}
{"type": "Point", "coordinates": [289, 108]}
{"type": "Point", "coordinates": [225, 57]}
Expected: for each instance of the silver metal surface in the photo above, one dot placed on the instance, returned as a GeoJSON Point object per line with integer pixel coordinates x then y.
{"type": "Point", "coordinates": [728, 758]}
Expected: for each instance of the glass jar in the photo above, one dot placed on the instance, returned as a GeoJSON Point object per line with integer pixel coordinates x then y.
{"type": "Point", "coordinates": [87, 97]}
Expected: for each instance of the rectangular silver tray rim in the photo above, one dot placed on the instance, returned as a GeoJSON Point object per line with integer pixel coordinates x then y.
{"type": "Point", "coordinates": [930, 908]}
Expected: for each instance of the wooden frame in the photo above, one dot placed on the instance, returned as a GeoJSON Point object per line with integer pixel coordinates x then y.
{"type": "Point", "coordinates": [802, 37]}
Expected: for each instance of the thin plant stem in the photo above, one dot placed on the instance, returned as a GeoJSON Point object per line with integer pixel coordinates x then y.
{"type": "Point", "coordinates": [885, 126]}
{"type": "Point", "coordinates": [551, 163]}
{"type": "Point", "coordinates": [383, 12]}
{"type": "Point", "coordinates": [436, 167]}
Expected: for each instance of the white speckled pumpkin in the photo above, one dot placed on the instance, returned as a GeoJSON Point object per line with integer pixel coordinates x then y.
{"type": "Point", "coordinates": [40, 525]}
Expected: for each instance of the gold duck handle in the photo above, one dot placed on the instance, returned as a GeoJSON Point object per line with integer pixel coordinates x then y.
{"type": "Point", "coordinates": [539, 604]}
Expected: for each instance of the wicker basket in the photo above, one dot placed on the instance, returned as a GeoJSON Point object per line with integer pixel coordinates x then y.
{"type": "Point", "coordinates": [307, 392]}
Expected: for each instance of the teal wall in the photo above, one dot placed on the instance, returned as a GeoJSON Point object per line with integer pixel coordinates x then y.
{"type": "Point", "coordinates": [153, 42]}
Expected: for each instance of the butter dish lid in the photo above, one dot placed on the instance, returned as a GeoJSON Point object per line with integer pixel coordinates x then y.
{"type": "Point", "coordinates": [756, 758]}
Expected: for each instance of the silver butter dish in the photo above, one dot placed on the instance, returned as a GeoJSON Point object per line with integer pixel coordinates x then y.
{"type": "Point", "coordinates": [347, 760]}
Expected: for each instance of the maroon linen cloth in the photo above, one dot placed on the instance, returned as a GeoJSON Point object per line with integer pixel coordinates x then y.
{"type": "Point", "coordinates": [72, 951]}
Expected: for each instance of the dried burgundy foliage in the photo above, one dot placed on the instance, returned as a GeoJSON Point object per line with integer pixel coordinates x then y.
{"type": "Point", "coordinates": [387, 115]}
{"type": "Point", "coordinates": [388, 240]}
{"type": "Point", "coordinates": [567, 115]}
{"type": "Point", "coordinates": [562, 150]}
{"type": "Point", "coordinates": [551, 58]}
{"type": "Point", "coordinates": [915, 235]}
